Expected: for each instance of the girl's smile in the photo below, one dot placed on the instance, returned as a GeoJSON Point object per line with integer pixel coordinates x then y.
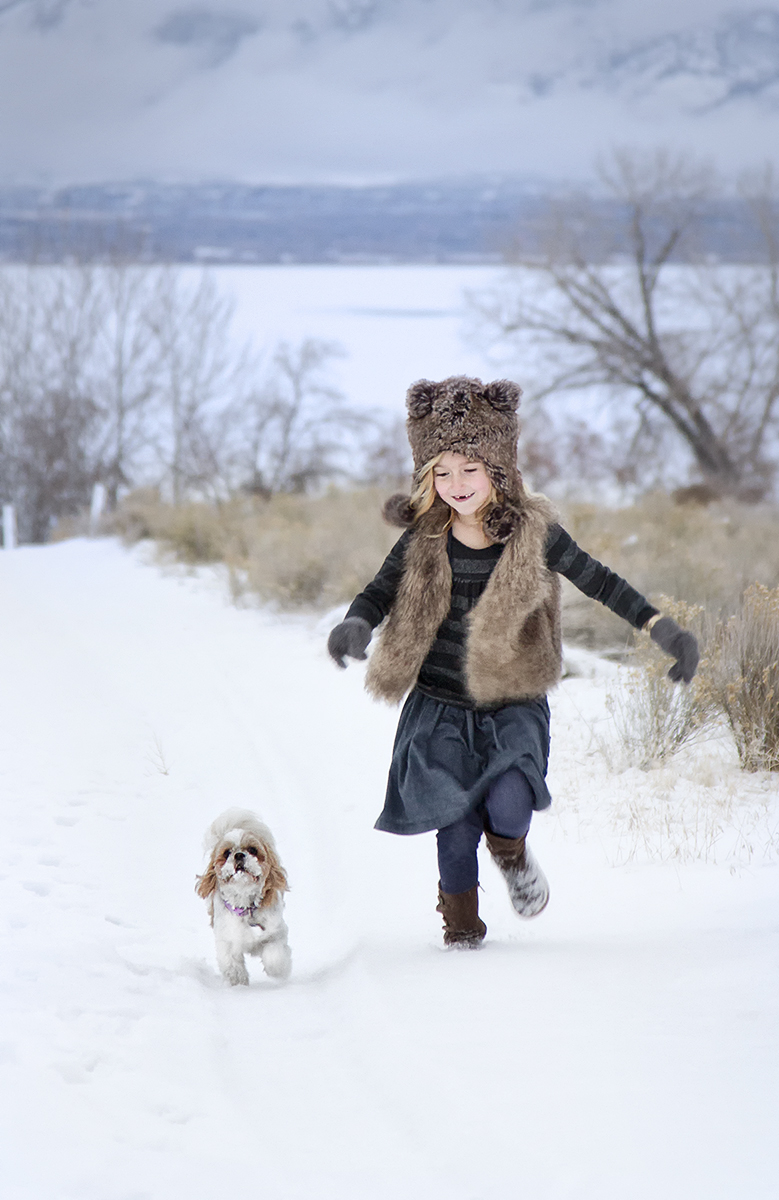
{"type": "Point", "coordinates": [462, 483]}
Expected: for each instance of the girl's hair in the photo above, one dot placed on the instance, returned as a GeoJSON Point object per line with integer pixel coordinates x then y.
{"type": "Point", "coordinates": [424, 494]}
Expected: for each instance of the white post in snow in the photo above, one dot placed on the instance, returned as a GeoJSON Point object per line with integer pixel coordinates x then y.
{"type": "Point", "coordinates": [9, 527]}
{"type": "Point", "coordinates": [97, 505]}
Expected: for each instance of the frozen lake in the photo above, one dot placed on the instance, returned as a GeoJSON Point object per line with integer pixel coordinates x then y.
{"type": "Point", "coordinates": [395, 323]}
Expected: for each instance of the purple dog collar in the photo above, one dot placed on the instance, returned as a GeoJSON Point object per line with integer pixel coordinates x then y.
{"type": "Point", "coordinates": [239, 912]}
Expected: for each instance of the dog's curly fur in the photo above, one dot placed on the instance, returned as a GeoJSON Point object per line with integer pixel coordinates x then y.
{"type": "Point", "coordinates": [243, 886]}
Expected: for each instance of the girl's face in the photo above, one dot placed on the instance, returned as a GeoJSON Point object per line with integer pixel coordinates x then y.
{"type": "Point", "coordinates": [462, 483]}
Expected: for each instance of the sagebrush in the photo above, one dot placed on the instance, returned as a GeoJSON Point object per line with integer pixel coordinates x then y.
{"type": "Point", "coordinates": [703, 555]}
{"type": "Point", "coordinates": [652, 718]}
{"type": "Point", "coordinates": [290, 550]}
{"type": "Point", "coordinates": [742, 677]}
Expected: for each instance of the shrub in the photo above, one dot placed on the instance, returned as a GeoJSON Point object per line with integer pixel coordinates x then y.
{"type": "Point", "coordinates": [195, 532]}
{"type": "Point", "coordinates": [293, 551]}
{"type": "Point", "coordinates": [738, 680]}
{"type": "Point", "coordinates": [742, 677]}
{"type": "Point", "coordinates": [704, 556]}
{"type": "Point", "coordinates": [652, 718]}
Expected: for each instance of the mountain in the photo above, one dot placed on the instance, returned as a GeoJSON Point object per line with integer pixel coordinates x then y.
{"type": "Point", "coordinates": [375, 91]}
{"type": "Point", "coordinates": [442, 221]}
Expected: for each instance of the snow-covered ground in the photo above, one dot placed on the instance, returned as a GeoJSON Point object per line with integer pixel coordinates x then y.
{"type": "Point", "coordinates": [624, 1045]}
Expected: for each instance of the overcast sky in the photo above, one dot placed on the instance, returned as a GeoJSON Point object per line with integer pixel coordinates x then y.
{"type": "Point", "coordinates": [362, 90]}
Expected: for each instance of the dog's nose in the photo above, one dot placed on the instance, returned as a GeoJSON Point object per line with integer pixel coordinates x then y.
{"type": "Point", "coordinates": [239, 856]}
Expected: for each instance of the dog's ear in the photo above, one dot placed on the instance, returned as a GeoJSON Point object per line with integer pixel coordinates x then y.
{"type": "Point", "coordinates": [276, 883]}
{"type": "Point", "coordinates": [206, 883]}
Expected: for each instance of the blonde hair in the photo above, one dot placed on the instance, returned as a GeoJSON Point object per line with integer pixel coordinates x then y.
{"type": "Point", "coordinates": [424, 494]}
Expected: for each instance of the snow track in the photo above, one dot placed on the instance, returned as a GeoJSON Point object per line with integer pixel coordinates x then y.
{"type": "Point", "coordinates": [623, 1045]}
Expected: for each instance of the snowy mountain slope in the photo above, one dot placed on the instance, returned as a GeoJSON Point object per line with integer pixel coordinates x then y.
{"type": "Point", "coordinates": [624, 1044]}
{"type": "Point", "coordinates": [345, 90]}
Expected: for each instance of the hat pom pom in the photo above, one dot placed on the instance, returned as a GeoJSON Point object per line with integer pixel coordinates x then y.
{"type": "Point", "coordinates": [398, 511]}
{"type": "Point", "coordinates": [503, 395]}
{"type": "Point", "coordinates": [420, 397]}
{"type": "Point", "coordinates": [500, 521]}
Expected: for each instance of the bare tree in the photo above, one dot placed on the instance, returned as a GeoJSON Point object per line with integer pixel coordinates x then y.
{"type": "Point", "coordinates": [299, 430]}
{"type": "Point", "coordinates": [620, 303]}
{"type": "Point", "coordinates": [48, 417]}
{"type": "Point", "coordinates": [196, 376]}
{"type": "Point", "coordinates": [386, 456]}
{"type": "Point", "coordinates": [114, 373]}
{"type": "Point", "coordinates": [126, 370]}
{"type": "Point", "coordinates": [130, 375]}
{"type": "Point", "coordinates": [51, 471]}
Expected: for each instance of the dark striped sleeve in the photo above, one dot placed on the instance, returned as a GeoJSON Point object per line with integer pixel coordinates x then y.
{"type": "Point", "coordinates": [591, 577]}
{"type": "Point", "coordinates": [377, 598]}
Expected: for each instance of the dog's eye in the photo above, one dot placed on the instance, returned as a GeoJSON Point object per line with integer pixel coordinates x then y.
{"type": "Point", "coordinates": [253, 850]}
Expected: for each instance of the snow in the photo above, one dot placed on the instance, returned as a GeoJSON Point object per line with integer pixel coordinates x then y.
{"type": "Point", "coordinates": [395, 323]}
{"type": "Point", "coordinates": [622, 1045]}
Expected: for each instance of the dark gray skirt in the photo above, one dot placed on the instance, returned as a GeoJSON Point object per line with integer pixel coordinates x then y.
{"type": "Point", "coordinates": [446, 757]}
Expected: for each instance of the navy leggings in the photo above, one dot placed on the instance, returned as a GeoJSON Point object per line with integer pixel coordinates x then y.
{"type": "Point", "coordinates": [505, 810]}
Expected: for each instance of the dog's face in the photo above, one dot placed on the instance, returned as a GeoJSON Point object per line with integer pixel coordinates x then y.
{"type": "Point", "coordinates": [243, 862]}
{"type": "Point", "coordinates": [241, 858]}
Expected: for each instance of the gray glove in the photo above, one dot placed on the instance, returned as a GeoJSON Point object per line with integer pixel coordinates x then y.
{"type": "Point", "coordinates": [349, 638]}
{"type": "Point", "coordinates": [680, 644]}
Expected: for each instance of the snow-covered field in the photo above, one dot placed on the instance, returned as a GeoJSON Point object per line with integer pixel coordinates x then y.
{"type": "Point", "coordinates": [624, 1045]}
{"type": "Point", "coordinates": [395, 323]}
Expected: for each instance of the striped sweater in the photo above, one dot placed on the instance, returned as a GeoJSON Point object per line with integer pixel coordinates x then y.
{"type": "Point", "coordinates": [441, 674]}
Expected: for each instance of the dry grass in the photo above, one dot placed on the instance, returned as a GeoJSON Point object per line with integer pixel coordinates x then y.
{"type": "Point", "coordinates": [704, 556]}
{"type": "Point", "coordinates": [737, 681]}
{"type": "Point", "coordinates": [303, 551]}
{"type": "Point", "coordinates": [316, 551]}
{"type": "Point", "coordinates": [742, 677]}
{"type": "Point", "coordinates": [653, 718]}
{"type": "Point", "coordinates": [291, 551]}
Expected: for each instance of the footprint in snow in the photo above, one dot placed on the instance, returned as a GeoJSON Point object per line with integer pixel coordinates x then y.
{"type": "Point", "coordinates": [40, 889]}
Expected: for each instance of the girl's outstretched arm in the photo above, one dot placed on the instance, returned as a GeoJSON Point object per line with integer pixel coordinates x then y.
{"type": "Point", "coordinates": [597, 581]}
{"type": "Point", "coordinates": [350, 638]}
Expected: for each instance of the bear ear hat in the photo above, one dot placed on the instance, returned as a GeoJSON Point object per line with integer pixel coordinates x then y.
{"type": "Point", "coordinates": [420, 397]}
{"type": "Point", "coordinates": [503, 395]}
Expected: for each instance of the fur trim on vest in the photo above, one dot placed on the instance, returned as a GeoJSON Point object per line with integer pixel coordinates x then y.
{"type": "Point", "coordinates": [513, 645]}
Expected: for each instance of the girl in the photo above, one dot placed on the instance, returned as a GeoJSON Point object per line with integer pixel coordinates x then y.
{"type": "Point", "coordinates": [469, 598]}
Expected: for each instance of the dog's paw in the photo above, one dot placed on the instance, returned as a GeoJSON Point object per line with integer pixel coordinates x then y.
{"type": "Point", "coordinates": [234, 972]}
{"type": "Point", "coordinates": [237, 978]}
{"type": "Point", "coordinates": [276, 959]}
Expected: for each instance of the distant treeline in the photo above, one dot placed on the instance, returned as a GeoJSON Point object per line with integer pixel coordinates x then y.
{"type": "Point", "coordinates": [479, 221]}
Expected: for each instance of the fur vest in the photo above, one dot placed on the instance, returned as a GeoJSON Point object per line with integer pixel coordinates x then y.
{"type": "Point", "coordinates": [513, 644]}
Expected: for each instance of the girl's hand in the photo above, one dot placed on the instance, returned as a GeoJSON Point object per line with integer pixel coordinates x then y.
{"type": "Point", "coordinates": [349, 638]}
{"type": "Point", "coordinates": [680, 644]}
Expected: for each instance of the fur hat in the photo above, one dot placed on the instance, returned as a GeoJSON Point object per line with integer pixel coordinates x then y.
{"type": "Point", "coordinates": [473, 418]}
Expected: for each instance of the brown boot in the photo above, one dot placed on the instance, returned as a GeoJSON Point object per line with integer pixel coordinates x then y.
{"type": "Point", "coordinates": [526, 882]}
{"type": "Point", "coordinates": [462, 926]}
